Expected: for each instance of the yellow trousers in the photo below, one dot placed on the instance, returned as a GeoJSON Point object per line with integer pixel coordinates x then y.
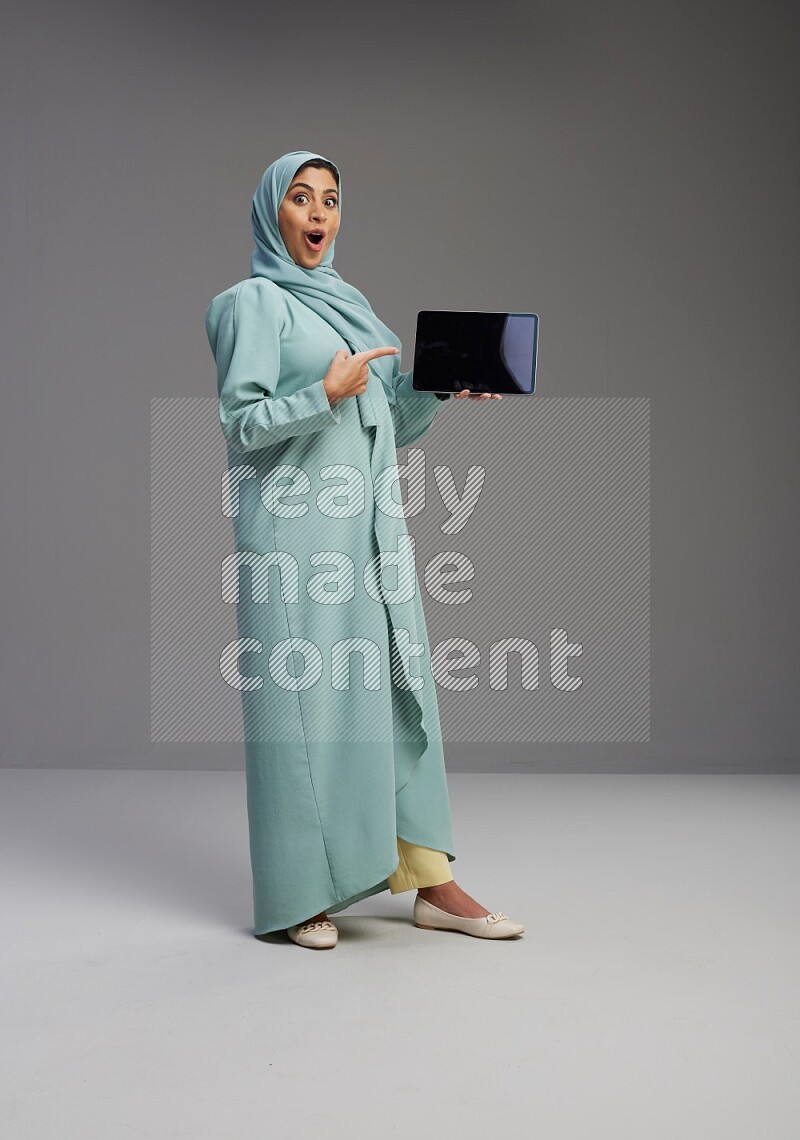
{"type": "Point", "coordinates": [418, 867]}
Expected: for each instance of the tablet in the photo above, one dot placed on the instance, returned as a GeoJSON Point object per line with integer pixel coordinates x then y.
{"type": "Point", "coordinates": [485, 352]}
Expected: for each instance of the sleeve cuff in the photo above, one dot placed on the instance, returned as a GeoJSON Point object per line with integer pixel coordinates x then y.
{"type": "Point", "coordinates": [317, 390]}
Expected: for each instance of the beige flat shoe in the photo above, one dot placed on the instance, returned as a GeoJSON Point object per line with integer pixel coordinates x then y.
{"type": "Point", "coordinates": [320, 935]}
{"type": "Point", "coordinates": [496, 925]}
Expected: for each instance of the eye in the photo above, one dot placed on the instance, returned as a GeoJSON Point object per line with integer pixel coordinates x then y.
{"type": "Point", "coordinates": [301, 194]}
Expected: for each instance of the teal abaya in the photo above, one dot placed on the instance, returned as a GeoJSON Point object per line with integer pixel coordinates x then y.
{"type": "Point", "coordinates": [343, 744]}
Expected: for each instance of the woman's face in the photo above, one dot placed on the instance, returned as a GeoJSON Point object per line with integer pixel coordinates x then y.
{"type": "Point", "coordinates": [310, 205]}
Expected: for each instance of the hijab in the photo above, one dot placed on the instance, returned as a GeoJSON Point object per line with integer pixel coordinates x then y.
{"type": "Point", "coordinates": [321, 288]}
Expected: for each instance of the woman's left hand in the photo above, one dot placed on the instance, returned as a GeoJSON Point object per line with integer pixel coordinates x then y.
{"type": "Point", "coordinates": [466, 394]}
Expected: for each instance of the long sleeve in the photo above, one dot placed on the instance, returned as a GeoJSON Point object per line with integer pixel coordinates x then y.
{"type": "Point", "coordinates": [247, 351]}
{"type": "Point", "coordinates": [413, 412]}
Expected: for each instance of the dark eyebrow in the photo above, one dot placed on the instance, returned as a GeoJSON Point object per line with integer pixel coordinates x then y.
{"type": "Point", "coordinates": [332, 190]}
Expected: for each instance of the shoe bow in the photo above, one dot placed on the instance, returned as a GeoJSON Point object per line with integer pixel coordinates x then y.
{"type": "Point", "coordinates": [495, 916]}
{"type": "Point", "coordinates": [326, 925]}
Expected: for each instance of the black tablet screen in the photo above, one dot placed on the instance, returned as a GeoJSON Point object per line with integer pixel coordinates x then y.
{"type": "Point", "coordinates": [485, 352]}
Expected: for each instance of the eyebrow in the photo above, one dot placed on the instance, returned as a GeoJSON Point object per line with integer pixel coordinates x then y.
{"type": "Point", "coordinates": [332, 190]}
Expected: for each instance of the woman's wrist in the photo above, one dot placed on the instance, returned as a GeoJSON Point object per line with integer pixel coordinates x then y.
{"type": "Point", "coordinates": [329, 391]}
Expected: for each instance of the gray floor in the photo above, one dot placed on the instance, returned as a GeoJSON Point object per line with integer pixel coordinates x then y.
{"type": "Point", "coordinates": [654, 994]}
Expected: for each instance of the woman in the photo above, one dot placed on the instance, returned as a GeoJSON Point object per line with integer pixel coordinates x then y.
{"type": "Point", "coordinates": [345, 775]}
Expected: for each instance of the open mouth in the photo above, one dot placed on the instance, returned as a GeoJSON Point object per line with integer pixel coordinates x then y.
{"type": "Point", "coordinates": [315, 239]}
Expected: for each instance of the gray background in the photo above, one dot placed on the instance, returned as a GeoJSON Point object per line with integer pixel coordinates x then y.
{"type": "Point", "coordinates": [630, 169]}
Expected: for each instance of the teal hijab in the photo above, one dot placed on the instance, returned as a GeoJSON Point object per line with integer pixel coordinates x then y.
{"type": "Point", "coordinates": [321, 288]}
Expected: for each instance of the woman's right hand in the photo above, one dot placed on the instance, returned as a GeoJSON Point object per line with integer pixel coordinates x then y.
{"type": "Point", "coordinates": [348, 375]}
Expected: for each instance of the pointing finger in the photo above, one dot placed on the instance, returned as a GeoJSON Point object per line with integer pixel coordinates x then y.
{"type": "Point", "coordinates": [371, 353]}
